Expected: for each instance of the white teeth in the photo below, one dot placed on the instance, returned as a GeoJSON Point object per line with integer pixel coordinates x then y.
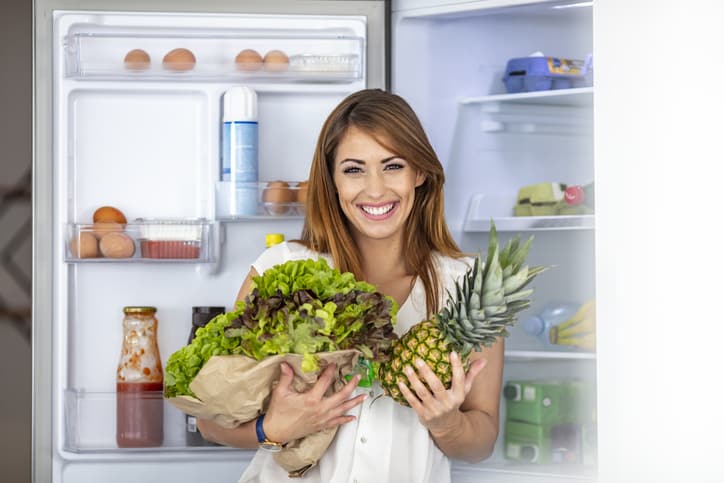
{"type": "Point", "coordinates": [378, 210]}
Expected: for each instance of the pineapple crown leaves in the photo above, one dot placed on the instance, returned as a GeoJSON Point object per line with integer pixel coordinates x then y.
{"type": "Point", "coordinates": [489, 296]}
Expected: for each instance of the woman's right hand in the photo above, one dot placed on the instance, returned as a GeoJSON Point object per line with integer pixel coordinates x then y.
{"type": "Point", "coordinates": [292, 415]}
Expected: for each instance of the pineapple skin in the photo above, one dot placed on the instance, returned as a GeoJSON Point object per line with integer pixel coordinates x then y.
{"type": "Point", "coordinates": [425, 341]}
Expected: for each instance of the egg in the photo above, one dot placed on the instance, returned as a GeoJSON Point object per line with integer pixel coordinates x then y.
{"type": "Point", "coordinates": [117, 245]}
{"type": "Point", "coordinates": [137, 59]}
{"type": "Point", "coordinates": [301, 195]}
{"type": "Point", "coordinates": [179, 60]}
{"type": "Point", "coordinates": [277, 197]}
{"type": "Point", "coordinates": [101, 228]}
{"type": "Point", "coordinates": [276, 61]}
{"type": "Point", "coordinates": [109, 214]}
{"type": "Point", "coordinates": [248, 60]}
{"type": "Point", "coordinates": [84, 245]}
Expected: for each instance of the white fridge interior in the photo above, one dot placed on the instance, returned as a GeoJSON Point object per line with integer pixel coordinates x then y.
{"type": "Point", "coordinates": [148, 143]}
{"type": "Point", "coordinates": [449, 60]}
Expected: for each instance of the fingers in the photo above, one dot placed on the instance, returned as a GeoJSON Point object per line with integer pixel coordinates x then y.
{"type": "Point", "coordinates": [343, 394]}
{"type": "Point", "coordinates": [411, 398]}
{"type": "Point", "coordinates": [416, 385]}
{"type": "Point", "coordinates": [324, 381]}
{"type": "Point", "coordinates": [286, 377]}
{"type": "Point", "coordinates": [433, 382]}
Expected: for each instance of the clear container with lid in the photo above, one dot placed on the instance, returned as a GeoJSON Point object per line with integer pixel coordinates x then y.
{"type": "Point", "coordinates": [139, 381]}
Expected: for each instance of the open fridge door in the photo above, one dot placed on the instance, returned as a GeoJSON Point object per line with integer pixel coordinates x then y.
{"type": "Point", "coordinates": [129, 114]}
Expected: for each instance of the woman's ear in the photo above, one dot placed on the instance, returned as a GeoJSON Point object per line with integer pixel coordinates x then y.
{"type": "Point", "coordinates": [420, 178]}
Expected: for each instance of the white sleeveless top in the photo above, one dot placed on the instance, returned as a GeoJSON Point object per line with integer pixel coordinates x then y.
{"type": "Point", "coordinates": [387, 442]}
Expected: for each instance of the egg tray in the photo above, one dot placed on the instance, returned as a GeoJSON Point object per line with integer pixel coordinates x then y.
{"type": "Point", "coordinates": [141, 240]}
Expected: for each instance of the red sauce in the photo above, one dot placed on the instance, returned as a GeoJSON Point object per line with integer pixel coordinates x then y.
{"type": "Point", "coordinates": [139, 414]}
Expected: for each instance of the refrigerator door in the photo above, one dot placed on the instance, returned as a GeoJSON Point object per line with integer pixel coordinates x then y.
{"type": "Point", "coordinates": [145, 138]}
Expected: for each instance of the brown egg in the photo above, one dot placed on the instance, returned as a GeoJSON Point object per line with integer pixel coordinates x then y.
{"type": "Point", "coordinates": [179, 60]}
{"type": "Point", "coordinates": [248, 60]}
{"type": "Point", "coordinates": [137, 59]}
{"type": "Point", "coordinates": [84, 245]}
{"type": "Point", "coordinates": [117, 245]}
{"type": "Point", "coordinates": [101, 228]}
{"type": "Point", "coordinates": [276, 61]}
{"type": "Point", "coordinates": [109, 214]}
{"type": "Point", "coordinates": [301, 197]}
{"type": "Point", "coordinates": [277, 197]}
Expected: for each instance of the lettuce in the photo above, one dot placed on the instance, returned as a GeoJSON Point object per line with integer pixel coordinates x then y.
{"type": "Point", "coordinates": [302, 307]}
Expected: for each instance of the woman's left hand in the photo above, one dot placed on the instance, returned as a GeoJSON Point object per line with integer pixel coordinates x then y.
{"type": "Point", "coordinates": [438, 408]}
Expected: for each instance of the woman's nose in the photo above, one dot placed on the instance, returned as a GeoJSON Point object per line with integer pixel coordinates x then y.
{"type": "Point", "coordinates": [375, 185]}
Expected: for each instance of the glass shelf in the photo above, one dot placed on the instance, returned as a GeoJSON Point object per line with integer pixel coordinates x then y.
{"type": "Point", "coordinates": [90, 426]}
{"type": "Point", "coordinates": [533, 355]}
{"type": "Point", "coordinates": [483, 208]}
{"type": "Point", "coordinates": [144, 240]}
{"type": "Point", "coordinates": [579, 97]}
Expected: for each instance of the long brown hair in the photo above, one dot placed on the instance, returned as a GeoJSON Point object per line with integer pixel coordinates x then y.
{"type": "Point", "coordinates": [391, 121]}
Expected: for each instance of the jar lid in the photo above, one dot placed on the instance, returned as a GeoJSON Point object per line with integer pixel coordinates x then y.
{"type": "Point", "coordinates": [208, 310]}
{"type": "Point", "coordinates": [138, 310]}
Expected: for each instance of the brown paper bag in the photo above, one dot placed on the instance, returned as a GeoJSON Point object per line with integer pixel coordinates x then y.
{"type": "Point", "coordinates": [231, 390]}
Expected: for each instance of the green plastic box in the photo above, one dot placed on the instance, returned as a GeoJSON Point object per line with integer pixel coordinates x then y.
{"type": "Point", "coordinates": [546, 402]}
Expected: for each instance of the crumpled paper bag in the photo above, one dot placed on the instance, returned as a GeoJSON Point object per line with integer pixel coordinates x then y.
{"type": "Point", "coordinates": [231, 390]}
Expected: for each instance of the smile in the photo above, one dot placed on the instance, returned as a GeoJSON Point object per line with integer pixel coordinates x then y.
{"type": "Point", "coordinates": [378, 211]}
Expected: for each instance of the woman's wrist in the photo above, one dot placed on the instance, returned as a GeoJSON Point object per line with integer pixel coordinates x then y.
{"type": "Point", "coordinates": [271, 432]}
{"type": "Point", "coordinates": [450, 429]}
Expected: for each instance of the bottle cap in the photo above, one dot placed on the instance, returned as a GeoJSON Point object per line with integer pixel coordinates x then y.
{"type": "Point", "coordinates": [273, 239]}
{"type": "Point", "coordinates": [534, 325]}
{"type": "Point", "coordinates": [239, 104]}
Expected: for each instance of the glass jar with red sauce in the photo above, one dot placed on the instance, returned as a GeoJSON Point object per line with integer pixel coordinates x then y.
{"type": "Point", "coordinates": [139, 382]}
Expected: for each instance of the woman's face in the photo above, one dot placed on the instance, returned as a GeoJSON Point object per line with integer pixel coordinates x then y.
{"type": "Point", "coordinates": [376, 189]}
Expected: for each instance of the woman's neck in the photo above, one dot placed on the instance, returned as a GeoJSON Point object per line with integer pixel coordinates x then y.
{"type": "Point", "coordinates": [382, 261]}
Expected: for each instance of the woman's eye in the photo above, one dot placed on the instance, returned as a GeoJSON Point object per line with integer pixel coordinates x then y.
{"type": "Point", "coordinates": [351, 170]}
{"type": "Point", "coordinates": [393, 166]}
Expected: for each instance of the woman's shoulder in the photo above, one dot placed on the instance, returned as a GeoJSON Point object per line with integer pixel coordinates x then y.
{"type": "Point", "coordinates": [283, 252]}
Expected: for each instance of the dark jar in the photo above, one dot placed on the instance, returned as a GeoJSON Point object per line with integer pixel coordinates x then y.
{"type": "Point", "coordinates": [139, 382]}
{"type": "Point", "coordinates": [200, 316]}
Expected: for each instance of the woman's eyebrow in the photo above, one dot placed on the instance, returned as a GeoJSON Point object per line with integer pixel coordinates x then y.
{"type": "Point", "coordinates": [359, 161]}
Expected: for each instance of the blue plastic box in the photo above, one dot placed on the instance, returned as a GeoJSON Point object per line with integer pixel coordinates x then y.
{"type": "Point", "coordinates": [526, 74]}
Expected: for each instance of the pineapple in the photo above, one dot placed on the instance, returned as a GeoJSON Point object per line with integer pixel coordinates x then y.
{"type": "Point", "coordinates": [487, 300]}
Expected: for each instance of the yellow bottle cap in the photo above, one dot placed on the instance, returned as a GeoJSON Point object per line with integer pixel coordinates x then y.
{"type": "Point", "coordinates": [273, 239]}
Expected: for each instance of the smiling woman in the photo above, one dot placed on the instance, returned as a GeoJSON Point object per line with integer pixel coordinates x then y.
{"type": "Point", "coordinates": [375, 208]}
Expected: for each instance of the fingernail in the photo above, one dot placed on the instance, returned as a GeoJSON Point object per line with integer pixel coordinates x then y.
{"type": "Point", "coordinates": [418, 362]}
{"type": "Point", "coordinates": [453, 356]}
{"type": "Point", "coordinates": [400, 384]}
{"type": "Point", "coordinates": [408, 371]}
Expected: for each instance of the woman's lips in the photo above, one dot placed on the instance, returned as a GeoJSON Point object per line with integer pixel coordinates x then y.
{"type": "Point", "coordinates": [379, 211]}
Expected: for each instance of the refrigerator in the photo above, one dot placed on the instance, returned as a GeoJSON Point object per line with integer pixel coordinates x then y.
{"type": "Point", "coordinates": [148, 141]}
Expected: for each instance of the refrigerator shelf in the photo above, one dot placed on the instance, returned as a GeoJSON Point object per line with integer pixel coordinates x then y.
{"type": "Point", "coordinates": [539, 355]}
{"type": "Point", "coordinates": [517, 471]}
{"type": "Point", "coordinates": [265, 200]}
{"type": "Point", "coordinates": [143, 240]}
{"type": "Point", "coordinates": [499, 208]}
{"type": "Point", "coordinates": [578, 97]}
{"type": "Point", "coordinates": [90, 426]}
{"type": "Point", "coordinates": [249, 55]}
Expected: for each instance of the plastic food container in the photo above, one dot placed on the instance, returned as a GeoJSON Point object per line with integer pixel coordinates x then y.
{"type": "Point", "coordinates": [527, 74]}
{"type": "Point", "coordinates": [170, 238]}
